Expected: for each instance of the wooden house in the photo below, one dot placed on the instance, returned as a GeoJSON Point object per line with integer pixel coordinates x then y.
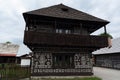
{"type": "Point", "coordinates": [59, 37]}
{"type": "Point", "coordinates": [108, 57]}
{"type": "Point", "coordinates": [8, 52]}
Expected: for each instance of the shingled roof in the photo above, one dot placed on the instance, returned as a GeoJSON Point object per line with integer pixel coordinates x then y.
{"type": "Point", "coordinates": [62, 11]}
{"type": "Point", "coordinates": [8, 49]}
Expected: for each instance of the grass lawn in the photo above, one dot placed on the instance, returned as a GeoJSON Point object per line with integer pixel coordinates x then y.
{"type": "Point", "coordinates": [86, 78]}
{"type": "Point", "coordinates": [13, 71]}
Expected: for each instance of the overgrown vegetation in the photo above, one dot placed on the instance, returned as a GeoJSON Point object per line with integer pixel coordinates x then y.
{"type": "Point", "coordinates": [106, 34]}
{"type": "Point", "coordinates": [12, 71]}
{"type": "Point", "coordinates": [8, 42]}
{"type": "Point", "coordinates": [77, 78]}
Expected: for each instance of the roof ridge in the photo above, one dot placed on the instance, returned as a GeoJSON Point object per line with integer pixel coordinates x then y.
{"type": "Point", "coordinates": [82, 12]}
{"type": "Point", "coordinates": [53, 11]}
{"type": "Point", "coordinates": [43, 8]}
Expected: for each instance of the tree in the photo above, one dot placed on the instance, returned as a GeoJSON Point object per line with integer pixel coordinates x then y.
{"type": "Point", "coordinates": [106, 34]}
{"type": "Point", "coordinates": [8, 42]}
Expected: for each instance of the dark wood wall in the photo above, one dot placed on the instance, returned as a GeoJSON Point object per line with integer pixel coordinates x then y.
{"type": "Point", "coordinates": [44, 64]}
{"type": "Point", "coordinates": [84, 27]}
{"type": "Point", "coordinates": [108, 60]}
{"type": "Point", "coordinates": [54, 39]}
{"type": "Point", "coordinates": [7, 59]}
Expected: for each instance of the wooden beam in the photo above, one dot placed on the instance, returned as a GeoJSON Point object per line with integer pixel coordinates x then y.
{"type": "Point", "coordinates": [80, 28]}
{"type": "Point", "coordinates": [105, 29]}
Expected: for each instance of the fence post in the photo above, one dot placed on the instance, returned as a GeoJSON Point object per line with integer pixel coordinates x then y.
{"type": "Point", "coordinates": [29, 72]}
{"type": "Point", "coordinates": [0, 75]}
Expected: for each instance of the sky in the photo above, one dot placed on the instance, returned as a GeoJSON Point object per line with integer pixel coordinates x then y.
{"type": "Point", "coordinates": [12, 24]}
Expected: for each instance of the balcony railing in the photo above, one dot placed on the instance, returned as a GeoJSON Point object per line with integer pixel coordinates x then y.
{"type": "Point", "coordinates": [56, 39]}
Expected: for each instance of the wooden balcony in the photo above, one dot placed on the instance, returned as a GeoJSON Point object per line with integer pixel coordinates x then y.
{"type": "Point", "coordinates": [69, 40]}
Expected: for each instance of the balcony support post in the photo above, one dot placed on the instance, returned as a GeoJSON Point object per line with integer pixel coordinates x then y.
{"type": "Point", "coordinates": [80, 28]}
{"type": "Point", "coordinates": [105, 29]}
{"type": "Point", "coordinates": [55, 24]}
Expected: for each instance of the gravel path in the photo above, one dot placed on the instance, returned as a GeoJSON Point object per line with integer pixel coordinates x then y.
{"type": "Point", "coordinates": [107, 74]}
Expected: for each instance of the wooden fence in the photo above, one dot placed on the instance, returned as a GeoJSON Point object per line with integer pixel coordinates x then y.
{"type": "Point", "coordinates": [13, 72]}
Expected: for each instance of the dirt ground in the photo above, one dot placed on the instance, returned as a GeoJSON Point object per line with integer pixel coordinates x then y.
{"type": "Point", "coordinates": [107, 74]}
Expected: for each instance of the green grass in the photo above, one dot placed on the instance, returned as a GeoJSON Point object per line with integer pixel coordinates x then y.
{"type": "Point", "coordinates": [85, 78]}
{"type": "Point", "coordinates": [13, 71]}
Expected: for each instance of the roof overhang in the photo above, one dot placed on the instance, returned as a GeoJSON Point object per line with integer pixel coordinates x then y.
{"type": "Point", "coordinates": [8, 55]}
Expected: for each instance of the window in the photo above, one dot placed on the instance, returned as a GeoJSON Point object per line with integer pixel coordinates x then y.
{"type": "Point", "coordinates": [67, 31]}
{"type": "Point", "coordinates": [63, 61]}
{"type": "Point", "coordinates": [31, 28]}
{"type": "Point", "coordinates": [59, 30]}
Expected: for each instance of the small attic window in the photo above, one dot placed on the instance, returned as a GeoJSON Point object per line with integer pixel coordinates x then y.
{"type": "Point", "coordinates": [64, 9]}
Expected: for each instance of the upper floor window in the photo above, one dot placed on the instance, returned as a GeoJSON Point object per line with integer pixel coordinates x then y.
{"type": "Point", "coordinates": [59, 31]}
{"type": "Point", "coordinates": [66, 31]}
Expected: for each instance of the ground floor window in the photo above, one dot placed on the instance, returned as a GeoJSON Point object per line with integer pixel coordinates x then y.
{"type": "Point", "coordinates": [63, 60]}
